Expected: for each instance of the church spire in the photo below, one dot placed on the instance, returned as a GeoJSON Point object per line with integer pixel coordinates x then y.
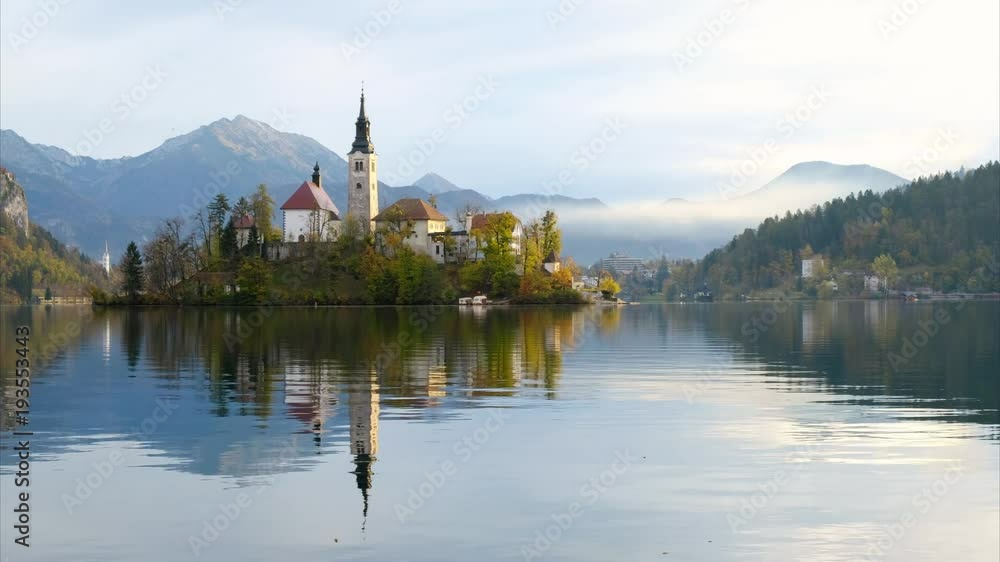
{"type": "Point", "coordinates": [363, 130]}
{"type": "Point", "coordinates": [316, 177]}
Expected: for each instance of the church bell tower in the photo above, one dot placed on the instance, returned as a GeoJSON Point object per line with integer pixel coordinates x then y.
{"type": "Point", "coordinates": [362, 177]}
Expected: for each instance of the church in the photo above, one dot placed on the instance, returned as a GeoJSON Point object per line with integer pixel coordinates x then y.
{"type": "Point", "coordinates": [310, 214]}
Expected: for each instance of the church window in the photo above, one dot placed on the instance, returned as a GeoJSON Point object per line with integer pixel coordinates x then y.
{"type": "Point", "coordinates": [359, 186]}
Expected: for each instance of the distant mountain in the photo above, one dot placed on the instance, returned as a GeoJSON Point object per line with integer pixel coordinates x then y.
{"type": "Point", "coordinates": [942, 233]}
{"type": "Point", "coordinates": [808, 183]}
{"type": "Point", "coordinates": [86, 201]}
{"type": "Point", "coordinates": [433, 183]}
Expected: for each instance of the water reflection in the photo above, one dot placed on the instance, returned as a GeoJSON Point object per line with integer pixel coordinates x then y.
{"type": "Point", "coordinates": [364, 392]}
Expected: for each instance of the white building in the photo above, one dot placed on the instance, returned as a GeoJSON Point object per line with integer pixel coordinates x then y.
{"type": "Point", "coordinates": [309, 214]}
{"type": "Point", "coordinates": [242, 227]}
{"type": "Point", "coordinates": [811, 267]}
{"type": "Point", "coordinates": [421, 219]}
{"type": "Point", "coordinates": [621, 264]}
{"type": "Point", "coordinates": [477, 222]}
{"type": "Point", "coordinates": [873, 283]}
{"type": "Point", "coordinates": [362, 175]}
{"type": "Point", "coordinates": [106, 259]}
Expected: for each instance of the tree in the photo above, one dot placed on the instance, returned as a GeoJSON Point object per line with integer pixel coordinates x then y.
{"type": "Point", "coordinates": [262, 209]}
{"type": "Point", "coordinates": [885, 267]}
{"type": "Point", "coordinates": [531, 246]}
{"type": "Point", "coordinates": [499, 261]}
{"type": "Point", "coordinates": [392, 231]}
{"type": "Point", "coordinates": [608, 286]}
{"type": "Point", "coordinates": [170, 257]}
{"type": "Point", "coordinates": [48, 293]}
{"type": "Point", "coordinates": [254, 280]}
{"type": "Point", "coordinates": [133, 278]}
{"type": "Point", "coordinates": [551, 236]}
{"type": "Point", "coordinates": [217, 211]}
{"type": "Point", "coordinates": [228, 244]}
{"type": "Point", "coordinates": [254, 245]}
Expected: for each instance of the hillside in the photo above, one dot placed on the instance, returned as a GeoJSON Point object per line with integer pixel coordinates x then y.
{"type": "Point", "coordinates": [942, 231]}
{"type": "Point", "coordinates": [31, 259]}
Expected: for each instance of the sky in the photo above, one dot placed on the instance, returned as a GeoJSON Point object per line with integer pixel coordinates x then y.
{"type": "Point", "coordinates": [627, 100]}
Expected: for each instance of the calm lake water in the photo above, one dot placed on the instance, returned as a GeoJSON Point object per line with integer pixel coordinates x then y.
{"type": "Point", "coordinates": [818, 431]}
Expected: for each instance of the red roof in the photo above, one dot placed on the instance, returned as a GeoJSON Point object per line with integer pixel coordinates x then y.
{"type": "Point", "coordinates": [246, 221]}
{"type": "Point", "coordinates": [309, 197]}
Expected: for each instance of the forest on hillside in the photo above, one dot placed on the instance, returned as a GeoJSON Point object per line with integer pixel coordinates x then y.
{"type": "Point", "coordinates": [36, 264]}
{"type": "Point", "coordinates": [942, 232]}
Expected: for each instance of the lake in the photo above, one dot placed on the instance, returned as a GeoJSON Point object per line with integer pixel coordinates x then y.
{"type": "Point", "coordinates": [851, 430]}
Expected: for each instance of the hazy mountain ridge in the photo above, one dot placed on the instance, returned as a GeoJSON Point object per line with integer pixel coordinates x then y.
{"type": "Point", "coordinates": [86, 200]}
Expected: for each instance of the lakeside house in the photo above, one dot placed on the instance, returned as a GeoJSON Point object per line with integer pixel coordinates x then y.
{"type": "Point", "coordinates": [811, 267]}
{"type": "Point", "coordinates": [423, 220]}
{"type": "Point", "coordinates": [242, 227]}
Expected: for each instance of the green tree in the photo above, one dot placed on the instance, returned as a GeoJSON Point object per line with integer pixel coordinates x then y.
{"type": "Point", "coordinates": [885, 267]}
{"type": "Point", "coordinates": [228, 244]}
{"type": "Point", "coordinates": [551, 235]}
{"type": "Point", "coordinates": [254, 280]}
{"type": "Point", "coordinates": [133, 278]}
{"type": "Point", "coordinates": [499, 261]}
{"type": "Point", "coordinates": [48, 293]}
{"type": "Point", "coordinates": [262, 210]}
{"type": "Point", "coordinates": [217, 211]}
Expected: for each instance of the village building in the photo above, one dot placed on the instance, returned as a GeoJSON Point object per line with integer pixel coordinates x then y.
{"type": "Point", "coordinates": [309, 214]}
{"type": "Point", "coordinates": [421, 219]}
{"type": "Point", "coordinates": [620, 264]}
{"type": "Point", "coordinates": [477, 222]}
{"type": "Point", "coordinates": [810, 267]}
{"type": "Point", "coordinates": [552, 263]}
{"type": "Point", "coordinates": [243, 226]}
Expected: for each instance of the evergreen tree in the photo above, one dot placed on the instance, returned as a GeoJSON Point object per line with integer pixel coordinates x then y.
{"type": "Point", "coordinates": [228, 244]}
{"type": "Point", "coordinates": [133, 279]}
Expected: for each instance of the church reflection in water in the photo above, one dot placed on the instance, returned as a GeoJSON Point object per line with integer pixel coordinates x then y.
{"type": "Point", "coordinates": [311, 381]}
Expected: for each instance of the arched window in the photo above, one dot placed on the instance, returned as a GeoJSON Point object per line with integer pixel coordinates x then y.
{"type": "Point", "coordinates": [302, 237]}
{"type": "Point", "coordinates": [359, 186]}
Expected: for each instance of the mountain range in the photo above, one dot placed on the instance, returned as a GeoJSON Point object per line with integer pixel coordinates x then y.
{"type": "Point", "coordinates": [85, 201]}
